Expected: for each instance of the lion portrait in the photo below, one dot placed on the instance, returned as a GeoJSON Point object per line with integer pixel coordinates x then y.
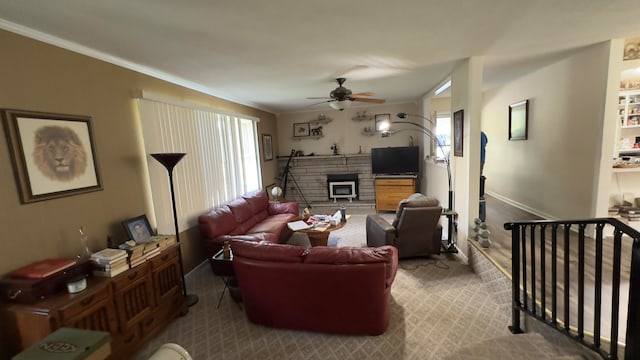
{"type": "Point", "coordinates": [58, 153]}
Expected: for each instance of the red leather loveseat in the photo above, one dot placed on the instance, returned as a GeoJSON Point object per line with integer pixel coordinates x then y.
{"type": "Point", "coordinates": [249, 217]}
{"type": "Point", "coordinates": [324, 289]}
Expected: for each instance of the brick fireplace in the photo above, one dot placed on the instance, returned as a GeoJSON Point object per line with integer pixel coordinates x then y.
{"type": "Point", "coordinates": [311, 173]}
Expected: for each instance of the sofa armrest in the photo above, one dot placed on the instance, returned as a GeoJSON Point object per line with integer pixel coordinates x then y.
{"type": "Point", "coordinates": [283, 208]}
{"type": "Point", "coordinates": [379, 231]}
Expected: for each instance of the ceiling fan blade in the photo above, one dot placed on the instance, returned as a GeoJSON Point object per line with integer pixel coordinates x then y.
{"type": "Point", "coordinates": [318, 103]}
{"type": "Point", "coordinates": [319, 97]}
{"type": "Point", "coordinates": [368, 93]}
{"type": "Point", "coordinates": [368, 100]}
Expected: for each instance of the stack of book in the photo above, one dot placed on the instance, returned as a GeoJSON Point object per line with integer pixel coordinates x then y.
{"type": "Point", "coordinates": [630, 213]}
{"type": "Point", "coordinates": [109, 262]}
{"type": "Point", "coordinates": [151, 249]}
{"type": "Point", "coordinates": [164, 241]}
{"type": "Point", "coordinates": [136, 255]}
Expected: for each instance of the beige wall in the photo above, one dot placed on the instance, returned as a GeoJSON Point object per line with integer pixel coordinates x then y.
{"type": "Point", "coordinates": [344, 131]}
{"type": "Point", "coordinates": [553, 173]}
{"type": "Point", "coordinates": [40, 77]}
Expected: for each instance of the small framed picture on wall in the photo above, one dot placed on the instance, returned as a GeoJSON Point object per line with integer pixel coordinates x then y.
{"type": "Point", "coordinates": [301, 129]}
{"type": "Point", "coordinates": [518, 120]}
{"type": "Point", "coordinates": [267, 147]}
{"type": "Point", "coordinates": [458, 133]}
{"type": "Point", "coordinates": [382, 120]}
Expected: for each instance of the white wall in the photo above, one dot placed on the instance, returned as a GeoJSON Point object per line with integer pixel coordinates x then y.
{"type": "Point", "coordinates": [466, 82]}
{"type": "Point", "coordinates": [553, 172]}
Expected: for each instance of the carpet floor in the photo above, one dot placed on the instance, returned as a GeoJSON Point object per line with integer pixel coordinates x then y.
{"type": "Point", "coordinates": [438, 306]}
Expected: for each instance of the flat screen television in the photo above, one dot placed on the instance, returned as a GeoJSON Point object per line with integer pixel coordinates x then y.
{"type": "Point", "coordinates": [395, 160]}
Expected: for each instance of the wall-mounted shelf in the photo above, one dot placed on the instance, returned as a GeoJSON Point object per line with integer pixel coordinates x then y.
{"type": "Point", "coordinates": [315, 137]}
{"type": "Point", "coordinates": [370, 133]}
{"type": "Point", "coordinates": [322, 119]}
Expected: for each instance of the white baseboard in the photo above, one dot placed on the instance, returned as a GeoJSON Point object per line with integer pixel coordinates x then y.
{"type": "Point", "coordinates": [521, 206]}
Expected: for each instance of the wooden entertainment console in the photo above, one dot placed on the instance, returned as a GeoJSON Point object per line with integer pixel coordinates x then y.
{"type": "Point", "coordinates": [390, 190]}
{"type": "Point", "coordinates": [133, 307]}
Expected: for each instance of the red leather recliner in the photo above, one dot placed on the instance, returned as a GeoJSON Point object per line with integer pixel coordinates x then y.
{"type": "Point", "coordinates": [324, 289]}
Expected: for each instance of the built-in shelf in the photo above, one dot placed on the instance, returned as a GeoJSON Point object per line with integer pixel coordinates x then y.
{"type": "Point", "coordinates": [362, 116]}
{"type": "Point", "coordinates": [370, 133]}
{"type": "Point", "coordinates": [314, 137]}
{"type": "Point", "coordinates": [626, 170]}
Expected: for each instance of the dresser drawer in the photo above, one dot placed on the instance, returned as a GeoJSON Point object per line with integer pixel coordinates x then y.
{"type": "Point", "coordinates": [395, 182]}
{"type": "Point", "coordinates": [129, 277]}
{"type": "Point", "coordinates": [85, 303]}
{"type": "Point", "coordinates": [166, 256]}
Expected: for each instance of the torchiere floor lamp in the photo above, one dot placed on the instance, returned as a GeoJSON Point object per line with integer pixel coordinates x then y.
{"type": "Point", "coordinates": [169, 161]}
{"type": "Point", "coordinates": [449, 212]}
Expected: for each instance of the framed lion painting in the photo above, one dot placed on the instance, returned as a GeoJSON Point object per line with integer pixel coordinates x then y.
{"type": "Point", "coordinates": [53, 155]}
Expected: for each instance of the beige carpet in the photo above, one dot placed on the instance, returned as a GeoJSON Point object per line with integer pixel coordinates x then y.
{"type": "Point", "coordinates": [438, 306]}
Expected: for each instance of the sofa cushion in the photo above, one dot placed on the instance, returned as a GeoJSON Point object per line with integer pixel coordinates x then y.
{"type": "Point", "coordinates": [348, 255]}
{"type": "Point", "coordinates": [273, 224]}
{"type": "Point", "coordinates": [357, 255]}
{"type": "Point", "coordinates": [258, 200]}
{"type": "Point", "coordinates": [259, 203]}
{"type": "Point", "coordinates": [216, 222]}
{"type": "Point", "coordinates": [255, 237]}
{"type": "Point", "coordinates": [266, 251]}
{"type": "Point", "coordinates": [240, 209]}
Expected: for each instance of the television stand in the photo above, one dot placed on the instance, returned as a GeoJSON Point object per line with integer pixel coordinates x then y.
{"type": "Point", "coordinates": [391, 189]}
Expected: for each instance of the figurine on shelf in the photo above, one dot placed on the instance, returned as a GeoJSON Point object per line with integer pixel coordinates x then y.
{"type": "Point", "coordinates": [334, 147]}
{"type": "Point", "coordinates": [317, 131]}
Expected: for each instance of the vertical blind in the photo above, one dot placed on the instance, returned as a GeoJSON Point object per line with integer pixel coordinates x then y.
{"type": "Point", "coordinates": [222, 159]}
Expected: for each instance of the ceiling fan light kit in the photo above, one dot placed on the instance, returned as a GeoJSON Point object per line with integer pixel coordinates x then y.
{"type": "Point", "coordinates": [340, 98]}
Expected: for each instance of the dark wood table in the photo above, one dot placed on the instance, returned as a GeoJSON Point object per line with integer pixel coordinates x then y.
{"type": "Point", "coordinates": [223, 267]}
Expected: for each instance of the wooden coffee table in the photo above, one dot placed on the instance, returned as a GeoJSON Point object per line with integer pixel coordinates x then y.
{"type": "Point", "coordinates": [321, 238]}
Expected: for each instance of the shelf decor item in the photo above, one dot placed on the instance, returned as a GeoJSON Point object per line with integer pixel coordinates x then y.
{"type": "Point", "coordinates": [169, 161]}
{"type": "Point", "coordinates": [53, 155]}
{"type": "Point", "coordinates": [518, 120]}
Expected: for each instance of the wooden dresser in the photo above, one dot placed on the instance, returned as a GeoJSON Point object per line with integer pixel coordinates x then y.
{"type": "Point", "coordinates": [133, 306]}
{"type": "Point", "coordinates": [391, 190]}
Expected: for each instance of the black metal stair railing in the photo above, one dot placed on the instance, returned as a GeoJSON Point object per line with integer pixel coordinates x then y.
{"type": "Point", "coordinates": [581, 267]}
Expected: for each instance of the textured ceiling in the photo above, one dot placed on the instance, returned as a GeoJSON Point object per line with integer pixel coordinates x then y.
{"type": "Point", "coordinates": [274, 54]}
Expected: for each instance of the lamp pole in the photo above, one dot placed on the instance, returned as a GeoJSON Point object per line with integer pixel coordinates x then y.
{"type": "Point", "coordinates": [169, 161]}
{"type": "Point", "coordinates": [449, 213]}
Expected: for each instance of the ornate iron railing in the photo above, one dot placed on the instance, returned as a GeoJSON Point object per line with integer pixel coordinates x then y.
{"type": "Point", "coordinates": [570, 299]}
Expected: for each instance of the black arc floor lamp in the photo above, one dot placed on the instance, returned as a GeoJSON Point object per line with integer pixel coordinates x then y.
{"type": "Point", "coordinates": [169, 161]}
{"type": "Point", "coordinates": [449, 213]}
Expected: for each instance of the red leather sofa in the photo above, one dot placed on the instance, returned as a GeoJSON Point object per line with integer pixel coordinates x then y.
{"type": "Point", "coordinates": [324, 289]}
{"type": "Point", "coordinates": [249, 217]}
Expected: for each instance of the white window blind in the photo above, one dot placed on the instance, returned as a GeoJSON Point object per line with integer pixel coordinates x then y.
{"type": "Point", "coordinates": [222, 159]}
{"type": "Point", "coordinates": [443, 133]}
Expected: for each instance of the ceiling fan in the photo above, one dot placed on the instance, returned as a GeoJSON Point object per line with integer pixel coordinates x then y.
{"type": "Point", "coordinates": [341, 97]}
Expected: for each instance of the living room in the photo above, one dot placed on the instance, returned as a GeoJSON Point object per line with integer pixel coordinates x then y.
{"type": "Point", "coordinates": [566, 136]}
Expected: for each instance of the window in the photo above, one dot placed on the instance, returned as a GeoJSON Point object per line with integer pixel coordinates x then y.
{"type": "Point", "coordinates": [443, 134]}
{"type": "Point", "coordinates": [221, 163]}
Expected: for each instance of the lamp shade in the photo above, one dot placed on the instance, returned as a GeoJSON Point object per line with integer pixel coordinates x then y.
{"type": "Point", "coordinates": [169, 160]}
